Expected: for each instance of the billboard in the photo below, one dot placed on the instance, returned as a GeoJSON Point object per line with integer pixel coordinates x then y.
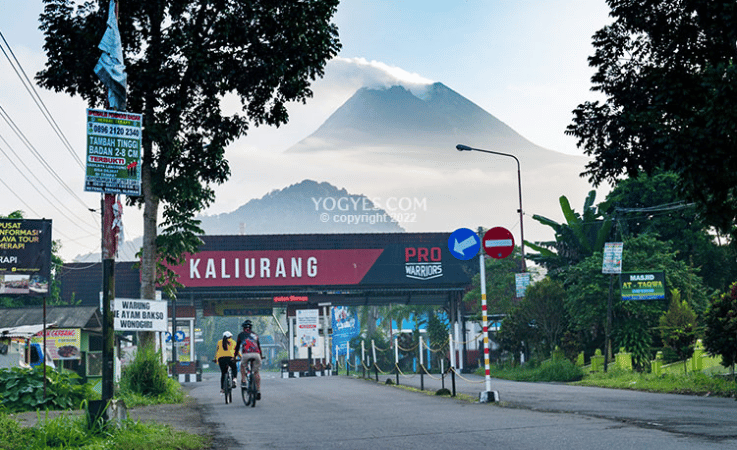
{"type": "Point", "coordinates": [643, 285]}
{"type": "Point", "coordinates": [113, 152]}
{"type": "Point", "coordinates": [61, 343]}
{"type": "Point", "coordinates": [407, 260]}
{"type": "Point", "coordinates": [25, 256]}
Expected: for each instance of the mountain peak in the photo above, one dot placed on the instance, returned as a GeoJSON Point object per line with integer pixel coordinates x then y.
{"type": "Point", "coordinates": [304, 207]}
{"type": "Point", "coordinates": [403, 117]}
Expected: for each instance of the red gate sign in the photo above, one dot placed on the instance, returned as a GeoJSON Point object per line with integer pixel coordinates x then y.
{"type": "Point", "coordinates": [498, 243]}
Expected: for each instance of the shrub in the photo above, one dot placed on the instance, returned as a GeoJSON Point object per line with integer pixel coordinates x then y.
{"type": "Point", "coordinates": [559, 370]}
{"type": "Point", "coordinates": [146, 375]}
{"type": "Point", "coordinates": [23, 389]}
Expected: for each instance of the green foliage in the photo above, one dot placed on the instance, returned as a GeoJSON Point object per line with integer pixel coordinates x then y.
{"type": "Point", "coordinates": [635, 336]}
{"type": "Point", "coordinates": [501, 289]}
{"type": "Point", "coordinates": [543, 307]}
{"type": "Point", "coordinates": [23, 389]}
{"type": "Point", "coordinates": [560, 370]}
{"type": "Point", "coordinates": [654, 205]}
{"type": "Point", "coordinates": [578, 238]}
{"type": "Point", "coordinates": [145, 375]}
{"type": "Point", "coordinates": [73, 432]}
{"type": "Point", "coordinates": [587, 290]}
{"type": "Point", "coordinates": [173, 394]}
{"type": "Point", "coordinates": [665, 108]}
{"type": "Point", "coordinates": [678, 327]}
{"type": "Point", "coordinates": [721, 327]}
{"type": "Point", "coordinates": [12, 436]}
{"type": "Point", "coordinates": [265, 54]}
{"type": "Point", "coordinates": [695, 383]}
{"type": "Point", "coordinates": [515, 332]}
{"type": "Point", "coordinates": [437, 334]}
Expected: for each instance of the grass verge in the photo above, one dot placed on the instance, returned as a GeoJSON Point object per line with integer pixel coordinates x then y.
{"type": "Point", "coordinates": [73, 432]}
{"type": "Point", "coordinates": [691, 383]}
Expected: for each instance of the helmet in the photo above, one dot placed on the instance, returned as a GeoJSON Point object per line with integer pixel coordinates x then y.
{"type": "Point", "coordinates": [227, 334]}
{"type": "Point", "coordinates": [247, 323]}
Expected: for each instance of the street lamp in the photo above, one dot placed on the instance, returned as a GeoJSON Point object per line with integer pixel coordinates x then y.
{"type": "Point", "coordinates": [461, 148]}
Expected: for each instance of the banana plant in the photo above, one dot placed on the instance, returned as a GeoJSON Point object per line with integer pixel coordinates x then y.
{"type": "Point", "coordinates": [580, 236]}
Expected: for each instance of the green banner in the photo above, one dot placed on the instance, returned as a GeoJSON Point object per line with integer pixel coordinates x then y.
{"type": "Point", "coordinates": [643, 285]}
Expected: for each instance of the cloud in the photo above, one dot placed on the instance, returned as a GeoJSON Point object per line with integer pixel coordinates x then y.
{"type": "Point", "coordinates": [373, 74]}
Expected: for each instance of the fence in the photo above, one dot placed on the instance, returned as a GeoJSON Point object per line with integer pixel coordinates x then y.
{"type": "Point", "coordinates": [369, 362]}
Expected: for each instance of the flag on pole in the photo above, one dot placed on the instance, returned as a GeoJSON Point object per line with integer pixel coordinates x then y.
{"type": "Point", "coordinates": [110, 68]}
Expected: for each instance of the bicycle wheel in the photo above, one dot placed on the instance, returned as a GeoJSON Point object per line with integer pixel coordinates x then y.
{"type": "Point", "coordinates": [244, 394]}
{"type": "Point", "coordinates": [251, 390]}
{"type": "Point", "coordinates": [228, 388]}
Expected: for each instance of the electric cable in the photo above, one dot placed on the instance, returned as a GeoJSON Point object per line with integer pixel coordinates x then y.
{"type": "Point", "coordinates": [37, 99]}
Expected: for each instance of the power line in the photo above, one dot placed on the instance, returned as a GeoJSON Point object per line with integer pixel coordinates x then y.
{"type": "Point", "coordinates": [37, 99]}
{"type": "Point", "coordinates": [34, 185]}
{"type": "Point", "coordinates": [38, 156]}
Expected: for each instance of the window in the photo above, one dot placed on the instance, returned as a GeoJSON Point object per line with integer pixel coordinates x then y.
{"type": "Point", "coordinates": [94, 364]}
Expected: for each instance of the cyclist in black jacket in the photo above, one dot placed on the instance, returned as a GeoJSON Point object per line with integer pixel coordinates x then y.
{"type": "Point", "coordinates": [249, 347]}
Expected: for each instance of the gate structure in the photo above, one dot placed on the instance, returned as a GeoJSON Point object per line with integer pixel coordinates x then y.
{"type": "Point", "coordinates": [250, 275]}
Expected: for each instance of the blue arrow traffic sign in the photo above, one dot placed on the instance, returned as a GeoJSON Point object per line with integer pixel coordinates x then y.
{"type": "Point", "coordinates": [464, 244]}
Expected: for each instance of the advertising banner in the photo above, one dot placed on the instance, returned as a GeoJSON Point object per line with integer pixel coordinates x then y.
{"type": "Point", "coordinates": [25, 256]}
{"type": "Point", "coordinates": [612, 257]}
{"type": "Point", "coordinates": [61, 343]}
{"type": "Point", "coordinates": [345, 327]}
{"type": "Point", "coordinates": [643, 285]}
{"type": "Point", "coordinates": [113, 152]}
{"type": "Point", "coordinates": [522, 281]}
{"type": "Point", "coordinates": [140, 315]}
{"type": "Point", "coordinates": [307, 322]}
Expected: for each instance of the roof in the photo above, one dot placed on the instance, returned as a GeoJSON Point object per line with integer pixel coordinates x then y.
{"type": "Point", "coordinates": [82, 282]}
{"type": "Point", "coordinates": [86, 317]}
{"type": "Point", "coordinates": [23, 331]}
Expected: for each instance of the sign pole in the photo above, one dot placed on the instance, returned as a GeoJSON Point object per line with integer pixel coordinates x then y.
{"type": "Point", "coordinates": [108, 295]}
{"type": "Point", "coordinates": [485, 323]}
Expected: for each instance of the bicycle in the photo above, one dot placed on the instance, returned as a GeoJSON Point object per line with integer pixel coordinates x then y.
{"type": "Point", "coordinates": [228, 384]}
{"type": "Point", "coordinates": [228, 388]}
{"type": "Point", "coordinates": [248, 392]}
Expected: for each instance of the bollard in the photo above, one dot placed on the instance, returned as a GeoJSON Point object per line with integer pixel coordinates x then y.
{"type": "Point", "coordinates": [453, 381]}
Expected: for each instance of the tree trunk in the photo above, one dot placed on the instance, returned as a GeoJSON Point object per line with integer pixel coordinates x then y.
{"type": "Point", "coordinates": [148, 250]}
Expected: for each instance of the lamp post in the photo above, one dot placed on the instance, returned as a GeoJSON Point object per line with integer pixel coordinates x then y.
{"type": "Point", "coordinates": [461, 148]}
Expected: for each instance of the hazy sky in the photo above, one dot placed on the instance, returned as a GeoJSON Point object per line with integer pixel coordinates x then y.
{"type": "Point", "coordinates": [524, 61]}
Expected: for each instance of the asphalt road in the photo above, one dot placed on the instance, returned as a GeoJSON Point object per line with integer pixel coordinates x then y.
{"type": "Point", "coordinates": [342, 412]}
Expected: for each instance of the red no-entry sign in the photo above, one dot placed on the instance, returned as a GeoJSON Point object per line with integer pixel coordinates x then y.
{"type": "Point", "coordinates": [498, 243]}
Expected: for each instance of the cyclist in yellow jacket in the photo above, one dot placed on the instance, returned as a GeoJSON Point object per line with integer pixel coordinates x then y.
{"type": "Point", "coordinates": [225, 356]}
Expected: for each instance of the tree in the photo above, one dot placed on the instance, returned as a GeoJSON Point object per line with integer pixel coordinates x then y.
{"type": "Point", "coordinates": [667, 71]}
{"type": "Point", "coordinates": [652, 205]}
{"type": "Point", "coordinates": [182, 59]}
{"type": "Point", "coordinates": [437, 334]}
{"type": "Point", "coordinates": [516, 334]}
{"type": "Point", "coordinates": [721, 327]}
{"type": "Point", "coordinates": [578, 238]}
{"type": "Point", "coordinates": [543, 307]}
{"type": "Point", "coordinates": [634, 322]}
{"type": "Point", "coordinates": [678, 328]}
{"type": "Point", "coordinates": [501, 290]}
